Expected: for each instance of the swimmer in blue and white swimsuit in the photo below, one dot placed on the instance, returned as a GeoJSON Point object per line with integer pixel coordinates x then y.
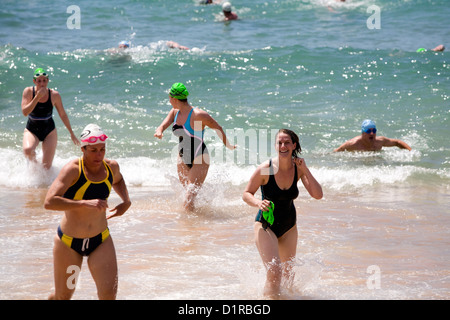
{"type": "Point", "coordinates": [191, 143]}
{"type": "Point", "coordinates": [193, 154]}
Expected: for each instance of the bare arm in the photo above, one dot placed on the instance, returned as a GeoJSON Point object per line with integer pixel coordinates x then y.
{"type": "Point", "coordinates": [213, 124]}
{"type": "Point", "coordinates": [395, 143]}
{"type": "Point", "coordinates": [312, 186]}
{"type": "Point", "coordinates": [57, 102]}
{"type": "Point", "coordinates": [28, 102]}
{"type": "Point", "coordinates": [165, 124]}
{"type": "Point", "coordinates": [120, 188]}
{"type": "Point", "coordinates": [346, 146]}
{"type": "Point", "coordinates": [256, 180]}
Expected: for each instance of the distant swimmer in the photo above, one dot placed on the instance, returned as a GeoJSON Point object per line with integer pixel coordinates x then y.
{"type": "Point", "coordinates": [368, 140]}
{"type": "Point", "coordinates": [37, 104]}
{"type": "Point", "coordinates": [229, 15]}
{"type": "Point", "coordinates": [176, 45]}
{"type": "Point", "coordinates": [275, 226]}
{"type": "Point", "coordinates": [81, 190]}
{"type": "Point", "coordinates": [440, 47]}
{"type": "Point", "coordinates": [124, 44]}
{"type": "Point", "coordinates": [189, 125]}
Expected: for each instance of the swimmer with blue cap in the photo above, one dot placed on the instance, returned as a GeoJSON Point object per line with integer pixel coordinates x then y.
{"type": "Point", "coordinates": [124, 44]}
{"type": "Point", "coordinates": [369, 141]}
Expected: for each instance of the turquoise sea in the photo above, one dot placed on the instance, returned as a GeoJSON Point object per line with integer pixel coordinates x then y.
{"type": "Point", "coordinates": [318, 67]}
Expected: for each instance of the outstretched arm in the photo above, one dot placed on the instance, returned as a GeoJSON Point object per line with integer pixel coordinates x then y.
{"type": "Point", "coordinates": [57, 101]}
{"type": "Point", "coordinates": [346, 146]}
{"type": "Point", "coordinates": [213, 124]}
{"type": "Point", "coordinates": [395, 143]}
{"type": "Point", "coordinates": [165, 124]}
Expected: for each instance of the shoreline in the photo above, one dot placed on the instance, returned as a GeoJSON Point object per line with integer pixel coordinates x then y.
{"type": "Point", "coordinates": [339, 239]}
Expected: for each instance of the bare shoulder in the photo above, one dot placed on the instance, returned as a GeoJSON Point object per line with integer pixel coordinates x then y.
{"type": "Point", "coordinates": [263, 170]}
{"type": "Point", "coordinates": [350, 145]}
{"type": "Point", "coordinates": [200, 113]}
{"type": "Point", "coordinates": [70, 171]}
{"type": "Point", "coordinates": [354, 140]}
{"type": "Point", "coordinates": [28, 90]}
{"type": "Point", "coordinates": [113, 164]}
{"type": "Point", "coordinates": [173, 112]}
{"type": "Point", "coordinates": [55, 94]}
{"type": "Point", "coordinates": [72, 165]}
{"type": "Point", "coordinates": [383, 139]}
{"type": "Point", "coordinates": [115, 168]}
{"type": "Point", "coordinates": [27, 93]}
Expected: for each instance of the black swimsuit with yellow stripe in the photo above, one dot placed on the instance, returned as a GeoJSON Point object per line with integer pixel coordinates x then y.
{"type": "Point", "coordinates": [85, 189]}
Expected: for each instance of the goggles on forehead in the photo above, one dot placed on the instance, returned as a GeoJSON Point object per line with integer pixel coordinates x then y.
{"type": "Point", "coordinates": [102, 138]}
{"type": "Point", "coordinates": [37, 75]}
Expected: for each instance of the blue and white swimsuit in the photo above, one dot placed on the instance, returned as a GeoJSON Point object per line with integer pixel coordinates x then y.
{"type": "Point", "coordinates": [191, 143]}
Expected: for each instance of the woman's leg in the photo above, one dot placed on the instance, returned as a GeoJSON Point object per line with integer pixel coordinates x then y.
{"type": "Point", "coordinates": [193, 178]}
{"type": "Point", "coordinates": [49, 149]}
{"type": "Point", "coordinates": [103, 266]}
{"type": "Point", "coordinates": [29, 144]}
{"type": "Point", "coordinates": [267, 244]}
{"type": "Point", "coordinates": [67, 265]}
{"type": "Point", "coordinates": [287, 245]}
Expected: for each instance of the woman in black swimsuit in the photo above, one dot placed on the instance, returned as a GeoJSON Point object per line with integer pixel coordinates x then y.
{"type": "Point", "coordinates": [37, 105]}
{"type": "Point", "coordinates": [278, 179]}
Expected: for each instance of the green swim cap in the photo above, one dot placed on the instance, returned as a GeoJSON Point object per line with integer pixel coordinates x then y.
{"type": "Point", "coordinates": [178, 91]}
{"type": "Point", "coordinates": [421, 50]}
{"type": "Point", "coordinates": [39, 72]}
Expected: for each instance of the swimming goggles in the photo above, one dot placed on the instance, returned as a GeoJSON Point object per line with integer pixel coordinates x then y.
{"type": "Point", "coordinates": [102, 138]}
{"type": "Point", "coordinates": [37, 75]}
{"type": "Point", "coordinates": [374, 130]}
{"type": "Point", "coordinates": [268, 215]}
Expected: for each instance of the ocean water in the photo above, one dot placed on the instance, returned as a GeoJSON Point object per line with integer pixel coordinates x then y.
{"type": "Point", "coordinates": [380, 232]}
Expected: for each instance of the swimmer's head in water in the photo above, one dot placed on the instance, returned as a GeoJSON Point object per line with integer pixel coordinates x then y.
{"type": "Point", "coordinates": [367, 125]}
{"type": "Point", "coordinates": [124, 44]}
{"type": "Point", "coordinates": [178, 91]}
{"type": "Point", "coordinates": [226, 7]}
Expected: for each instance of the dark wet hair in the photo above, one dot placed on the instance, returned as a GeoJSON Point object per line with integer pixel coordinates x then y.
{"type": "Point", "coordinates": [294, 138]}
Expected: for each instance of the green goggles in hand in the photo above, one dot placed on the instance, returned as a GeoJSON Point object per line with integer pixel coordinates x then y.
{"type": "Point", "coordinates": [268, 215]}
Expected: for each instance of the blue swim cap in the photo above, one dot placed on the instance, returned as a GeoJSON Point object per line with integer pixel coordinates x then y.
{"type": "Point", "coordinates": [124, 44]}
{"type": "Point", "coordinates": [367, 124]}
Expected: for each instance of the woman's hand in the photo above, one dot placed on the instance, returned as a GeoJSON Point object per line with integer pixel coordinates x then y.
{"type": "Point", "coordinates": [301, 165]}
{"type": "Point", "coordinates": [158, 133]}
{"type": "Point", "coordinates": [119, 210]}
{"type": "Point", "coordinates": [264, 205]}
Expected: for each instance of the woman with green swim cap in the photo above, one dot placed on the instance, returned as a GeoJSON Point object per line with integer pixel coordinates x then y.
{"type": "Point", "coordinates": [189, 125]}
{"type": "Point", "coordinates": [37, 104]}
